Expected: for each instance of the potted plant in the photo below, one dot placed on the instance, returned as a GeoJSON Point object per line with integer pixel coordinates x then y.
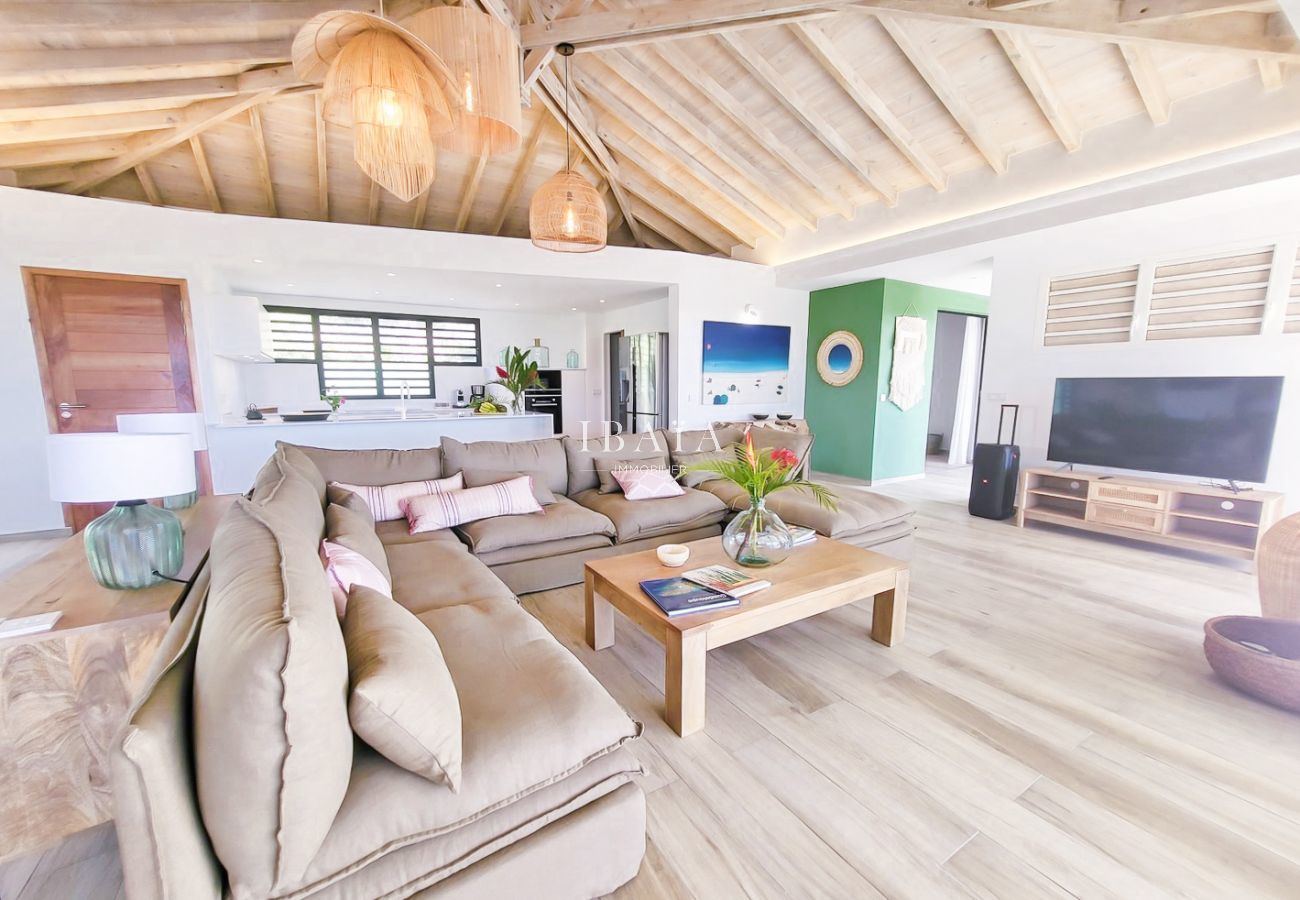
{"type": "Point", "coordinates": [756, 536]}
{"type": "Point", "coordinates": [516, 376]}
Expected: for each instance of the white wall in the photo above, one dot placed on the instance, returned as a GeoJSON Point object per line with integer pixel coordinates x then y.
{"type": "Point", "coordinates": [57, 231]}
{"type": "Point", "coordinates": [1018, 369]}
{"type": "Point", "coordinates": [945, 377]}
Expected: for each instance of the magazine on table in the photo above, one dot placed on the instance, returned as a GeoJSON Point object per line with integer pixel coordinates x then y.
{"type": "Point", "coordinates": [802, 534]}
{"type": "Point", "coordinates": [726, 580]}
{"type": "Point", "coordinates": [679, 597]}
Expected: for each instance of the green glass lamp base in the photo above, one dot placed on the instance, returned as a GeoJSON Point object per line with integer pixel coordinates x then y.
{"type": "Point", "coordinates": [181, 501]}
{"type": "Point", "coordinates": [127, 544]}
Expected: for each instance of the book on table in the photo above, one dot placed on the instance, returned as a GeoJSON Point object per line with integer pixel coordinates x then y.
{"type": "Point", "coordinates": [726, 580]}
{"type": "Point", "coordinates": [679, 597]}
{"type": "Point", "coordinates": [802, 534]}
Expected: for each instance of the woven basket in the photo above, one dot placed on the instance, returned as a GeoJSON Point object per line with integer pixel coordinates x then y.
{"type": "Point", "coordinates": [1279, 569]}
{"type": "Point", "coordinates": [1274, 677]}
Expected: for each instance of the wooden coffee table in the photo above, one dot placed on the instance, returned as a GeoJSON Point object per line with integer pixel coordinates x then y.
{"type": "Point", "coordinates": [816, 578]}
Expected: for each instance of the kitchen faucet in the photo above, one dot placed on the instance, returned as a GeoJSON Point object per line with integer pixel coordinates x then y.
{"type": "Point", "coordinates": [404, 393]}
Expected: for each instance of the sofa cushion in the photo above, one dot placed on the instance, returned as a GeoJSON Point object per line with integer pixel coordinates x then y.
{"type": "Point", "coordinates": [341, 496]}
{"type": "Point", "coordinates": [532, 717]}
{"type": "Point", "coordinates": [437, 574]}
{"type": "Point", "coordinates": [403, 702]}
{"type": "Point", "coordinates": [562, 519]}
{"type": "Point", "coordinates": [273, 746]}
{"type": "Point", "coordinates": [345, 569]}
{"type": "Point", "coordinates": [375, 466]}
{"type": "Point", "coordinates": [354, 530]}
{"type": "Point", "coordinates": [648, 518]}
{"type": "Point", "coordinates": [800, 444]}
{"type": "Point", "coordinates": [546, 550]}
{"type": "Point", "coordinates": [605, 469]}
{"type": "Point", "coordinates": [543, 458]}
{"type": "Point", "coordinates": [719, 437]}
{"type": "Point", "coordinates": [387, 502]}
{"type": "Point", "coordinates": [858, 512]}
{"type": "Point", "coordinates": [694, 479]}
{"type": "Point", "coordinates": [399, 532]}
{"type": "Point", "coordinates": [646, 484]}
{"type": "Point", "coordinates": [584, 456]}
{"type": "Point", "coordinates": [302, 464]}
{"type": "Point", "coordinates": [483, 477]}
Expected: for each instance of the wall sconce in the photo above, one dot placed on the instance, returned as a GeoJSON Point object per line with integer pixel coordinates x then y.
{"type": "Point", "coordinates": [751, 312]}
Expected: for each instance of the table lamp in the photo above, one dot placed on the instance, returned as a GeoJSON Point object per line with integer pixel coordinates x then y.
{"type": "Point", "coordinates": [134, 544]}
{"type": "Point", "coordinates": [190, 423]}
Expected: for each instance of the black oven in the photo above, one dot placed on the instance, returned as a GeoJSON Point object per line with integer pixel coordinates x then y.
{"type": "Point", "coordinates": [546, 400]}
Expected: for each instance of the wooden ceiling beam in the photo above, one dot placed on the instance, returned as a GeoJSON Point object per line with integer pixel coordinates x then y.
{"type": "Point", "coordinates": [522, 169]}
{"type": "Point", "coordinates": [1039, 82]}
{"type": "Point", "coordinates": [535, 61]}
{"type": "Point", "coordinates": [43, 131]}
{"type": "Point", "coordinates": [205, 174]}
{"type": "Point", "coordinates": [552, 94]}
{"type": "Point", "coordinates": [147, 21]}
{"type": "Point", "coordinates": [1140, 11]}
{"type": "Point", "coordinates": [470, 192]}
{"type": "Point", "coordinates": [1272, 74]}
{"type": "Point", "coordinates": [671, 231]}
{"type": "Point", "coordinates": [195, 119]}
{"type": "Point", "coordinates": [372, 204]}
{"type": "Point", "coordinates": [322, 159]}
{"type": "Point", "coordinates": [1146, 78]}
{"type": "Point", "coordinates": [688, 120]}
{"type": "Point", "coordinates": [643, 128]}
{"type": "Point", "coordinates": [421, 208]}
{"type": "Point", "coordinates": [950, 95]}
{"type": "Point", "coordinates": [147, 184]}
{"type": "Point", "coordinates": [650, 193]}
{"type": "Point", "coordinates": [110, 65]}
{"type": "Point", "coordinates": [798, 106]}
{"type": "Point", "coordinates": [1098, 21]}
{"type": "Point", "coordinates": [263, 159]}
{"type": "Point", "coordinates": [659, 21]}
{"type": "Point", "coordinates": [42, 176]}
{"type": "Point", "coordinates": [28, 104]}
{"type": "Point", "coordinates": [41, 155]}
{"type": "Point", "coordinates": [841, 68]}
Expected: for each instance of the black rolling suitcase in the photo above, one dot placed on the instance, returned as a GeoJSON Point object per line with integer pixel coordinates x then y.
{"type": "Point", "coordinates": [994, 473]}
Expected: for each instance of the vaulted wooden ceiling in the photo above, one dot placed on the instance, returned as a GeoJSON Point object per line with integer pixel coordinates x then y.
{"type": "Point", "coordinates": [708, 124]}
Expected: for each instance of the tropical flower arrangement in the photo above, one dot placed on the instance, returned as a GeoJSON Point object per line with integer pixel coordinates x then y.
{"type": "Point", "coordinates": [517, 375]}
{"type": "Point", "coordinates": [757, 536]}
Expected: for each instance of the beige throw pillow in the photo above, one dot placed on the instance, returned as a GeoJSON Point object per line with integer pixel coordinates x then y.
{"type": "Point", "coordinates": [354, 530]}
{"type": "Point", "coordinates": [403, 702]}
{"type": "Point", "coordinates": [695, 479]}
{"type": "Point", "coordinates": [482, 477]}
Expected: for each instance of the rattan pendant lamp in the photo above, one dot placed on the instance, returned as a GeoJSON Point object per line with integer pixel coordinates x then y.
{"type": "Point", "coordinates": [567, 214]}
{"type": "Point", "coordinates": [388, 86]}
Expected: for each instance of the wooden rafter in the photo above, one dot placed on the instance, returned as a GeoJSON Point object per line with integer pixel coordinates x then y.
{"type": "Point", "coordinates": [262, 158]}
{"type": "Point", "coordinates": [597, 89]}
{"type": "Point", "coordinates": [205, 173]}
{"type": "Point", "coordinates": [81, 127]}
{"type": "Point", "coordinates": [949, 94]}
{"type": "Point", "coordinates": [195, 119]}
{"type": "Point", "coordinates": [520, 176]}
{"type": "Point", "coordinates": [652, 194]}
{"type": "Point", "coordinates": [1042, 87]}
{"type": "Point", "coordinates": [107, 65]}
{"type": "Point", "coordinates": [469, 193]}
{"type": "Point", "coordinates": [802, 109]}
{"type": "Point", "coordinates": [1272, 73]}
{"type": "Point", "coordinates": [671, 231]}
{"type": "Point", "coordinates": [421, 208]}
{"type": "Point", "coordinates": [322, 159]}
{"type": "Point", "coordinates": [148, 186]}
{"type": "Point", "coordinates": [42, 155]}
{"type": "Point", "coordinates": [1137, 11]}
{"type": "Point", "coordinates": [372, 204]}
{"type": "Point", "coordinates": [685, 117]}
{"type": "Point", "coordinates": [1146, 78]}
{"type": "Point", "coordinates": [161, 21]}
{"type": "Point", "coordinates": [535, 61]}
{"type": "Point", "coordinates": [860, 91]}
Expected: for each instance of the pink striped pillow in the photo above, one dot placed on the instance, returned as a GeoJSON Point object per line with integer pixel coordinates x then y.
{"type": "Point", "coordinates": [640, 483]}
{"type": "Point", "coordinates": [386, 500]}
{"type": "Point", "coordinates": [345, 567]}
{"type": "Point", "coordinates": [505, 498]}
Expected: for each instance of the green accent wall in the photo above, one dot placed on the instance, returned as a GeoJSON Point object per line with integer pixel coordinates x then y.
{"type": "Point", "coordinates": [858, 434]}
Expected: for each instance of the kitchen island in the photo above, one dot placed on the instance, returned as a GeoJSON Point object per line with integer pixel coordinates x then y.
{"type": "Point", "coordinates": [237, 450]}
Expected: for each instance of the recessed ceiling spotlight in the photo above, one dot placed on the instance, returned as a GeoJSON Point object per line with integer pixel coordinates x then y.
{"type": "Point", "coordinates": [602, 299]}
{"type": "Point", "coordinates": [498, 285]}
{"type": "Point", "coordinates": [573, 309]}
{"type": "Point", "coordinates": [516, 304]}
{"type": "Point", "coordinates": [290, 284]}
{"type": "Point", "coordinates": [376, 293]}
{"type": "Point", "coordinates": [391, 274]}
{"type": "Point", "coordinates": [257, 260]}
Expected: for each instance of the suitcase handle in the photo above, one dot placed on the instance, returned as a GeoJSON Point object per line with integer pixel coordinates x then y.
{"type": "Point", "coordinates": [1015, 420]}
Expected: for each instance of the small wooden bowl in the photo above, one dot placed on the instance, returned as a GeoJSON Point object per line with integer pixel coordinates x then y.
{"type": "Point", "coordinates": [1272, 676]}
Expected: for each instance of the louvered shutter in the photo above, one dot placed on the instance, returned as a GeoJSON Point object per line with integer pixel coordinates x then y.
{"type": "Point", "coordinates": [1091, 309]}
{"type": "Point", "coordinates": [1214, 296]}
{"type": "Point", "coordinates": [1292, 323]}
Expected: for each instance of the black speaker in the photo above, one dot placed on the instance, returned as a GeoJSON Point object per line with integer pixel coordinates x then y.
{"type": "Point", "coordinates": [994, 473]}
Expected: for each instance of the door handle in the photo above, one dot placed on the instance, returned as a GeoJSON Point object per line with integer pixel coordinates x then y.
{"type": "Point", "coordinates": [65, 409]}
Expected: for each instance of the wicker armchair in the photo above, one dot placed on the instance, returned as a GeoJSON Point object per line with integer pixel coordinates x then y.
{"type": "Point", "coordinates": [1279, 570]}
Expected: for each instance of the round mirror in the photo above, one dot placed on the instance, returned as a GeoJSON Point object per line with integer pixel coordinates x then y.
{"type": "Point", "coordinates": [839, 359]}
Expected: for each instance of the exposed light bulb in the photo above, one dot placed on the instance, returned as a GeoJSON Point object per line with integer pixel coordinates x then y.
{"type": "Point", "coordinates": [388, 110]}
{"type": "Point", "coordinates": [469, 93]}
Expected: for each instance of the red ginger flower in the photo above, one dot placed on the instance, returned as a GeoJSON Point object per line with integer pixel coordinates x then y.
{"type": "Point", "coordinates": [502, 373]}
{"type": "Point", "coordinates": [785, 457]}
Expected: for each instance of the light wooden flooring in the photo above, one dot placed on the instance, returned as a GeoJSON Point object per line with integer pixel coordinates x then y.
{"type": "Point", "coordinates": [1048, 728]}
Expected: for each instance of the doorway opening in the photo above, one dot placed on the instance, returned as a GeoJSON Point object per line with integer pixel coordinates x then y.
{"type": "Point", "coordinates": [955, 388]}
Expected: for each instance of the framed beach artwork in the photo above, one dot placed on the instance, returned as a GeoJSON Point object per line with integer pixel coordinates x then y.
{"type": "Point", "coordinates": [745, 364]}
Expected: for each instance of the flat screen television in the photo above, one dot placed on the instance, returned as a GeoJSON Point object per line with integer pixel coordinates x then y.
{"type": "Point", "coordinates": [1198, 427]}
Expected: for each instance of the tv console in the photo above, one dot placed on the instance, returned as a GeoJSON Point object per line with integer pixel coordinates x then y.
{"type": "Point", "coordinates": [1175, 514]}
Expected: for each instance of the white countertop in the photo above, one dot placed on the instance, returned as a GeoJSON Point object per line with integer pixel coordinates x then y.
{"type": "Point", "coordinates": [275, 422]}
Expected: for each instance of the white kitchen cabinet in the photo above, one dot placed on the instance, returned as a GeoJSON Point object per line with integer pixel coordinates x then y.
{"type": "Point", "coordinates": [241, 330]}
{"type": "Point", "coordinates": [573, 396]}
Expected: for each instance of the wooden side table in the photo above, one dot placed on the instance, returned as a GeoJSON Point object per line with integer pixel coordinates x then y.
{"type": "Point", "coordinates": [65, 693]}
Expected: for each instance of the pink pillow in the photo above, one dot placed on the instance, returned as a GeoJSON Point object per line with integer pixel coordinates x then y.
{"type": "Point", "coordinates": [506, 498]}
{"type": "Point", "coordinates": [647, 483]}
{"type": "Point", "coordinates": [385, 500]}
{"type": "Point", "coordinates": [344, 568]}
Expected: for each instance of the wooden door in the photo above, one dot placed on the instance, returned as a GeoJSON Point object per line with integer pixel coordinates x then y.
{"type": "Point", "coordinates": [109, 344]}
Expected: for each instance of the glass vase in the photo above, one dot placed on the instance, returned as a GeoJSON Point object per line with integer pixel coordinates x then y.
{"type": "Point", "coordinates": [757, 537]}
{"type": "Point", "coordinates": [127, 544]}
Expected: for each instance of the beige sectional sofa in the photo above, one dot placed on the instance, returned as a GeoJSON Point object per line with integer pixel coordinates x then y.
{"type": "Point", "coordinates": [239, 775]}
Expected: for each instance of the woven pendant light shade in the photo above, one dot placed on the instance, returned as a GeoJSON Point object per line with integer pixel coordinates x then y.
{"type": "Point", "coordinates": [482, 59]}
{"type": "Point", "coordinates": [380, 87]}
{"type": "Point", "coordinates": [568, 215]}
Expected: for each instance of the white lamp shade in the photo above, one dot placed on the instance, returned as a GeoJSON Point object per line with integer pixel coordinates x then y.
{"type": "Point", "coordinates": [109, 467]}
{"type": "Point", "coordinates": [166, 423]}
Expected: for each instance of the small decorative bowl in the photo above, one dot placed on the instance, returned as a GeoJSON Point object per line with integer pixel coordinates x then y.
{"type": "Point", "coordinates": [785, 417]}
{"type": "Point", "coordinates": [760, 417]}
{"type": "Point", "coordinates": [673, 555]}
{"type": "Point", "coordinates": [1257, 655]}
